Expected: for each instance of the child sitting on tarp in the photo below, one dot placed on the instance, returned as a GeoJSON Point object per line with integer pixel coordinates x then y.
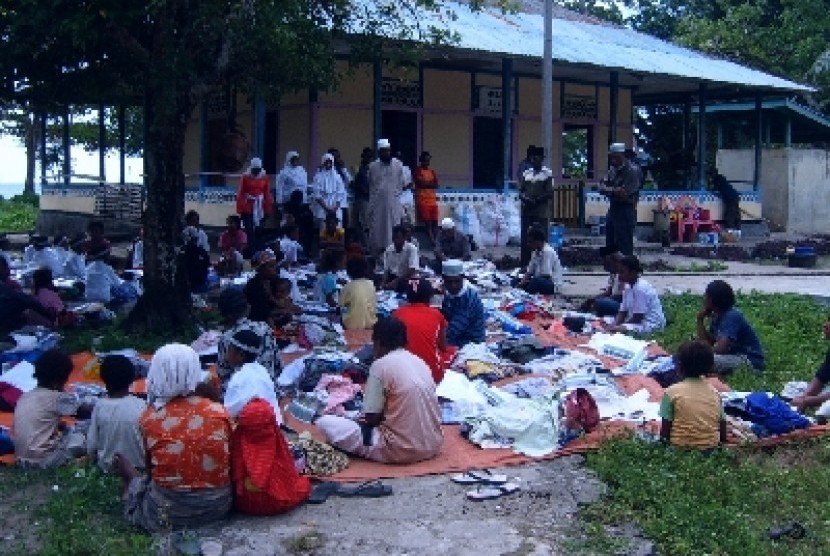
{"type": "Point", "coordinates": [233, 242]}
{"type": "Point", "coordinates": [358, 300]}
{"type": "Point", "coordinates": [325, 289]}
{"type": "Point", "coordinates": [284, 307]}
{"type": "Point", "coordinates": [290, 244]}
{"type": "Point", "coordinates": [43, 289]}
{"type": "Point", "coordinates": [41, 440]}
{"type": "Point", "coordinates": [691, 411]}
{"type": "Point", "coordinates": [100, 276]}
{"type": "Point", "coordinates": [113, 428]}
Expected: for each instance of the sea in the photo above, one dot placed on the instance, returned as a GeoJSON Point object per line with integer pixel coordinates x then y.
{"type": "Point", "coordinates": [9, 190]}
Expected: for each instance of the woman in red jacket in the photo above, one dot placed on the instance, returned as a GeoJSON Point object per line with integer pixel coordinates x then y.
{"type": "Point", "coordinates": [253, 200]}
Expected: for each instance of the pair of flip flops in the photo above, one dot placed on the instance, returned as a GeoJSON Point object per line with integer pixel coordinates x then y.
{"type": "Point", "coordinates": [790, 531]}
{"type": "Point", "coordinates": [489, 486]}
{"type": "Point", "coordinates": [370, 489]}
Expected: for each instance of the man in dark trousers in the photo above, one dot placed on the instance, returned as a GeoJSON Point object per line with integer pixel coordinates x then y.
{"type": "Point", "coordinates": [622, 187]}
{"type": "Point", "coordinates": [536, 196]}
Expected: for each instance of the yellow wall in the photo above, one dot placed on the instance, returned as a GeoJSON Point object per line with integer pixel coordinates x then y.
{"type": "Point", "coordinates": [294, 135]}
{"type": "Point", "coordinates": [447, 90]}
{"type": "Point", "coordinates": [488, 80]}
{"type": "Point", "coordinates": [348, 129]}
{"type": "Point", "coordinates": [352, 88]}
{"type": "Point", "coordinates": [447, 138]}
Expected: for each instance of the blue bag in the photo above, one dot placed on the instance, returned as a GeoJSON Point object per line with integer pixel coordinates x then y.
{"type": "Point", "coordinates": [773, 414]}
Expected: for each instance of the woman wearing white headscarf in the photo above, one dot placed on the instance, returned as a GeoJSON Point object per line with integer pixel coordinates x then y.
{"type": "Point", "coordinates": [292, 177]}
{"type": "Point", "coordinates": [187, 441]}
{"type": "Point", "coordinates": [328, 192]}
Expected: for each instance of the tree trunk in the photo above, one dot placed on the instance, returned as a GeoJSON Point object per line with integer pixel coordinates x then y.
{"type": "Point", "coordinates": [165, 305]}
{"type": "Point", "coordinates": [32, 143]}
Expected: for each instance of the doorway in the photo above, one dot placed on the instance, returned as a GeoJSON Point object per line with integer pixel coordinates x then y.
{"type": "Point", "coordinates": [577, 151]}
{"type": "Point", "coordinates": [271, 160]}
{"type": "Point", "coordinates": [488, 158]}
{"type": "Point", "coordinates": [401, 128]}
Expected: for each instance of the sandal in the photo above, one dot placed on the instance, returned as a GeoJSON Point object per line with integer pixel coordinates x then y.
{"type": "Point", "coordinates": [793, 530]}
{"type": "Point", "coordinates": [369, 489]}
{"type": "Point", "coordinates": [478, 477]}
{"type": "Point", "coordinates": [321, 492]}
{"type": "Point", "coordinates": [490, 492]}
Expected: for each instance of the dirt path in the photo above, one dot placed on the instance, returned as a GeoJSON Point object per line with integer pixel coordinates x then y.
{"type": "Point", "coordinates": [431, 516]}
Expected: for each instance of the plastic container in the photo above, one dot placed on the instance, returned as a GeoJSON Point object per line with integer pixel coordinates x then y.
{"type": "Point", "coordinates": [557, 235]}
{"type": "Point", "coordinates": [801, 257]}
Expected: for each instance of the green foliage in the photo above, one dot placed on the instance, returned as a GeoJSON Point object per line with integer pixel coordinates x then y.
{"type": "Point", "coordinates": [690, 504]}
{"type": "Point", "coordinates": [789, 326]}
{"type": "Point", "coordinates": [75, 511]}
{"type": "Point", "coordinates": [113, 337]}
{"type": "Point", "coordinates": [18, 214]}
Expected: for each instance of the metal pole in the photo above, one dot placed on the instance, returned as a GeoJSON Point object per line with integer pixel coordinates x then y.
{"type": "Point", "coordinates": [67, 160]}
{"type": "Point", "coordinates": [122, 143]}
{"type": "Point", "coordinates": [614, 98]}
{"type": "Point", "coordinates": [102, 142]}
{"type": "Point", "coordinates": [506, 117]}
{"type": "Point", "coordinates": [44, 120]}
{"type": "Point", "coordinates": [377, 93]}
{"type": "Point", "coordinates": [547, 84]}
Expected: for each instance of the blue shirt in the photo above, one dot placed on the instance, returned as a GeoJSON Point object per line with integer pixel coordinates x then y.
{"type": "Point", "coordinates": [743, 339]}
{"type": "Point", "coordinates": [465, 318]}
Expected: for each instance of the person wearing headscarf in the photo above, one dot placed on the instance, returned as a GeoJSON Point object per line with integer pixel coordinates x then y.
{"type": "Point", "coordinates": [234, 308]}
{"type": "Point", "coordinates": [293, 177]}
{"type": "Point", "coordinates": [328, 192]}
{"type": "Point", "coordinates": [253, 200]}
{"type": "Point", "coordinates": [187, 441]}
{"type": "Point", "coordinates": [250, 379]}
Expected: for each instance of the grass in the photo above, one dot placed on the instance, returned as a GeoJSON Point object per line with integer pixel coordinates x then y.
{"type": "Point", "coordinates": [689, 504]}
{"type": "Point", "coordinates": [19, 213]}
{"type": "Point", "coordinates": [73, 511]}
{"type": "Point", "coordinates": [112, 337]}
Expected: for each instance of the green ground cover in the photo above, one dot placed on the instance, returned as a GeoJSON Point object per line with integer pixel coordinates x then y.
{"type": "Point", "coordinates": [19, 213]}
{"type": "Point", "coordinates": [725, 504]}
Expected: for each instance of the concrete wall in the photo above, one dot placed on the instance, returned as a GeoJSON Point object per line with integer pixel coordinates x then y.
{"type": "Point", "coordinates": [795, 185]}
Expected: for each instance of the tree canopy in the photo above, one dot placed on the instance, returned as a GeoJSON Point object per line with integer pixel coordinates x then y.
{"type": "Point", "coordinates": [168, 55]}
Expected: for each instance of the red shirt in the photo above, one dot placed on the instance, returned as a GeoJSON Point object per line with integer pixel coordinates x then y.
{"type": "Point", "coordinates": [253, 186]}
{"type": "Point", "coordinates": [423, 328]}
{"type": "Point", "coordinates": [237, 240]}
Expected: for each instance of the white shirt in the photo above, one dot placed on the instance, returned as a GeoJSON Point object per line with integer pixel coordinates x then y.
{"type": "Point", "coordinates": [290, 250]}
{"type": "Point", "coordinates": [642, 299]}
{"type": "Point", "coordinates": [296, 296]}
{"type": "Point", "coordinates": [399, 263]}
{"type": "Point", "coordinates": [545, 262]}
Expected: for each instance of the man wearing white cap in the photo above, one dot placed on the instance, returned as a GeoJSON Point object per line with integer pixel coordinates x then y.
{"type": "Point", "coordinates": [253, 201]}
{"type": "Point", "coordinates": [622, 187]}
{"type": "Point", "coordinates": [461, 307]}
{"type": "Point", "coordinates": [386, 182]}
{"type": "Point", "coordinates": [451, 244]}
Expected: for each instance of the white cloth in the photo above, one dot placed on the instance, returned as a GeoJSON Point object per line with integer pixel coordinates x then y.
{"type": "Point", "coordinates": [100, 278]}
{"type": "Point", "coordinates": [328, 187]}
{"type": "Point", "coordinates": [202, 241]}
{"type": "Point", "coordinates": [138, 253]}
{"type": "Point", "coordinates": [290, 250]}
{"type": "Point", "coordinates": [291, 179]}
{"type": "Point", "coordinates": [642, 298]}
{"type": "Point", "coordinates": [545, 262]}
{"type": "Point", "coordinates": [175, 370]}
{"type": "Point", "coordinates": [406, 197]}
{"type": "Point", "coordinates": [399, 263]}
{"type": "Point", "coordinates": [249, 382]}
{"type": "Point", "coordinates": [296, 296]}
{"type": "Point", "coordinates": [258, 211]}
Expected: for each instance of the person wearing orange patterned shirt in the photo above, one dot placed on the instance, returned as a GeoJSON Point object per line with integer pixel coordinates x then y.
{"type": "Point", "coordinates": [187, 441]}
{"type": "Point", "coordinates": [253, 200]}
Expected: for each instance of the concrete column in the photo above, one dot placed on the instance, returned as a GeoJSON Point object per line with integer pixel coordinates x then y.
{"type": "Point", "coordinates": [377, 93]}
{"type": "Point", "coordinates": [788, 131]}
{"type": "Point", "coordinates": [701, 138]}
{"type": "Point", "coordinates": [43, 121]}
{"type": "Point", "coordinates": [204, 147]}
{"type": "Point", "coordinates": [259, 126]}
{"type": "Point", "coordinates": [547, 84]}
{"type": "Point", "coordinates": [507, 118]}
{"type": "Point", "coordinates": [685, 126]}
{"type": "Point", "coordinates": [759, 128]}
{"type": "Point", "coordinates": [612, 113]}
{"type": "Point", "coordinates": [122, 144]}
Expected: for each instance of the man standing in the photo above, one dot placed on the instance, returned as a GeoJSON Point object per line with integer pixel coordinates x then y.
{"type": "Point", "coordinates": [535, 194]}
{"type": "Point", "coordinates": [525, 164]}
{"type": "Point", "coordinates": [386, 181]}
{"type": "Point", "coordinates": [622, 187]}
{"type": "Point", "coordinates": [360, 190]}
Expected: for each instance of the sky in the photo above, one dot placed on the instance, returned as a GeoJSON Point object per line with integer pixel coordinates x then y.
{"type": "Point", "coordinates": [13, 163]}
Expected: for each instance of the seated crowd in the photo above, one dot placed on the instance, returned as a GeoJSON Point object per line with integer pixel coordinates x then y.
{"type": "Point", "coordinates": [197, 448]}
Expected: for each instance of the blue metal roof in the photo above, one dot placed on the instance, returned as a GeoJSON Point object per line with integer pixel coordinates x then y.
{"type": "Point", "coordinates": [584, 41]}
